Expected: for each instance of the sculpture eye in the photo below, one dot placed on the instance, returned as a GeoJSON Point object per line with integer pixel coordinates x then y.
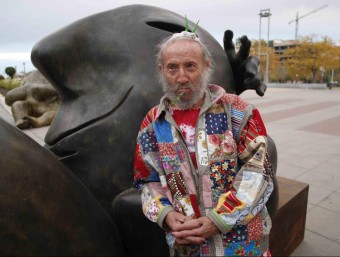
{"type": "Point", "coordinates": [173, 28]}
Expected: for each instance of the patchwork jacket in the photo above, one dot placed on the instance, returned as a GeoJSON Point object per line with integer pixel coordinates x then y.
{"type": "Point", "coordinates": [233, 180]}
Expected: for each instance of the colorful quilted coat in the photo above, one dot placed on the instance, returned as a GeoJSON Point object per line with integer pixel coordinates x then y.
{"type": "Point", "coordinates": [231, 184]}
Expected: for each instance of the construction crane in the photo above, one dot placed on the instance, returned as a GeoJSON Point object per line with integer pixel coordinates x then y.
{"type": "Point", "coordinates": [298, 18]}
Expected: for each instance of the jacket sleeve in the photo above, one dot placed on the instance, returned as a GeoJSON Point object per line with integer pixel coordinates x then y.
{"type": "Point", "coordinates": [253, 183]}
{"type": "Point", "coordinates": [148, 175]}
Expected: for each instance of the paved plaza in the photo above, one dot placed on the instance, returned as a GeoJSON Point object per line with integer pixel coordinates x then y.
{"type": "Point", "coordinates": [305, 125]}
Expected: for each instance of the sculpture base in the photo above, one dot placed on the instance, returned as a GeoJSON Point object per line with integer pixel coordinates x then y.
{"type": "Point", "coordinates": [289, 220]}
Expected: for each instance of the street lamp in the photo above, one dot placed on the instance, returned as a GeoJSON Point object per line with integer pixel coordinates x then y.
{"type": "Point", "coordinates": [265, 13]}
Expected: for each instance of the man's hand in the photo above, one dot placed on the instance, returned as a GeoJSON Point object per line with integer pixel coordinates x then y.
{"type": "Point", "coordinates": [190, 231]}
{"type": "Point", "coordinates": [245, 67]}
{"type": "Point", "coordinates": [177, 221]}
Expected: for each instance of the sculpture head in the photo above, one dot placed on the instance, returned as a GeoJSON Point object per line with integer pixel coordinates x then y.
{"type": "Point", "coordinates": [34, 103]}
{"type": "Point", "coordinates": [104, 69]}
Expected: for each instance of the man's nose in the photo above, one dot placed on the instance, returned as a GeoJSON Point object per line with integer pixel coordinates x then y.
{"type": "Point", "coordinates": [182, 77]}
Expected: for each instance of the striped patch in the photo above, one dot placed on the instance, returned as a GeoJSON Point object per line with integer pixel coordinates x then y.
{"type": "Point", "coordinates": [228, 203]}
{"type": "Point", "coordinates": [236, 118]}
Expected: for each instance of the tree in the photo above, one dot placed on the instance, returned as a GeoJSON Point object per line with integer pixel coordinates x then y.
{"type": "Point", "coordinates": [10, 71]}
{"type": "Point", "coordinates": [311, 60]}
{"type": "Point", "coordinates": [274, 64]}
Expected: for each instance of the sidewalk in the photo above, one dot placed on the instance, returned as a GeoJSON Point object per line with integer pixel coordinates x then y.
{"type": "Point", "coordinates": [305, 125]}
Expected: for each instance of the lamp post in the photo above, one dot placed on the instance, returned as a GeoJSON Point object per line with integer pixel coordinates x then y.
{"type": "Point", "coordinates": [265, 13]}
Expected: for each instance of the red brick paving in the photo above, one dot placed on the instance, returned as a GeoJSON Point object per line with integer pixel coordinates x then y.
{"type": "Point", "coordinates": [330, 126]}
{"type": "Point", "coordinates": [296, 111]}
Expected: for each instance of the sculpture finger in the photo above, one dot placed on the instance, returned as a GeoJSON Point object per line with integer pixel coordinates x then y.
{"type": "Point", "coordinates": [243, 53]}
{"type": "Point", "coordinates": [229, 47]}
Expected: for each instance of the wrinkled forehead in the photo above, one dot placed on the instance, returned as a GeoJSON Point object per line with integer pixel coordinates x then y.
{"type": "Point", "coordinates": [182, 49]}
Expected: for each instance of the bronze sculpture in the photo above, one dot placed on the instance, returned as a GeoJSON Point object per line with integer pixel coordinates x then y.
{"type": "Point", "coordinates": [103, 69]}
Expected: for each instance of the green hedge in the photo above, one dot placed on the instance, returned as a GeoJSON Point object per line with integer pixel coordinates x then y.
{"type": "Point", "coordinates": [9, 84]}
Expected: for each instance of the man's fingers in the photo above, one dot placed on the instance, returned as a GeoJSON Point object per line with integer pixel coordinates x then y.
{"type": "Point", "coordinates": [188, 225]}
{"type": "Point", "coordinates": [190, 240]}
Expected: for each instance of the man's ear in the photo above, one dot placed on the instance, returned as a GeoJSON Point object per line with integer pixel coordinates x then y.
{"type": "Point", "coordinates": [207, 63]}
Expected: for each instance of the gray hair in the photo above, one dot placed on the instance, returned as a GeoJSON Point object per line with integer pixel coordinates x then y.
{"type": "Point", "coordinates": [185, 36]}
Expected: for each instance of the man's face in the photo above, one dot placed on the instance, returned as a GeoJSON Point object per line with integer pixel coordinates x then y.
{"type": "Point", "coordinates": [183, 71]}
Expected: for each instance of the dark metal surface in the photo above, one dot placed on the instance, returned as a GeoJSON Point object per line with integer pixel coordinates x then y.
{"type": "Point", "coordinates": [44, 209]}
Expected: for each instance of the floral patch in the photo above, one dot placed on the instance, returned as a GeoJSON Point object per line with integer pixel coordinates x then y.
{"type": "Point", "coordinates": [148, 142]}
{"type": "Point", "coordinates": [166, 149]}
{"type": "Point", "coordinates": [202, 151]}
{"type": "Point", "coordinates": [152, 210]}
{"type": "Point", "coordinates": [255, 228]}
{"type": "Point", "coordinates": [186, 206]}
{"type": "Point", "coordinates": [244, 248]}
{"type": "Point", "coordinates": [180, 152]}
{"type": "Point", "coordinates": [171, 163]}
{"type": "Point", "coordinates": [237, 234]}
{"type": "Point", "coordinates": [220, 145]}
{"type": "Point", "coordinates": [236, 101]}
{"type": "Point", "coordinates": [222, 174]}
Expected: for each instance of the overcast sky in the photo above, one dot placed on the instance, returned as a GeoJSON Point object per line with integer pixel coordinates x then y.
{"type": "Point", "coordinates": [25, 22]}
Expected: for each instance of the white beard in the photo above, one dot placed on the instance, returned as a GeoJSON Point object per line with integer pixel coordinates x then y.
{"type": "Point", "coordinates": [198, 90]}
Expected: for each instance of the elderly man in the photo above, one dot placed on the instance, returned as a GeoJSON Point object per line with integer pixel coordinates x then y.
{"type": "Point", "coordinates": [201, 160]}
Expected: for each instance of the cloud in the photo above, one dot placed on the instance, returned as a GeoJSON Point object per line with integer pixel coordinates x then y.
{"type": "Point", "coordinates": [15, 56]}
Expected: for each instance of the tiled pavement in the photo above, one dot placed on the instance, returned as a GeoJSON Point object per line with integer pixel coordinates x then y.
{"type": "Point", "coordinates": [305, 125]}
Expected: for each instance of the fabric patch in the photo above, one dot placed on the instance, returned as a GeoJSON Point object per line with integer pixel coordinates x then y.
{"type": "Point", "coordinates": [171, 164]}
{"type": "Point", "coordinates": [215, 146]}
{"type": "Point", "coordinates": [154, 176]}
{"type": "Point", "coordinates": [145, 197]}
{"type": "Point", "coordinates": [179, 152]}
{"type": "Point", "coordinates": [216, 123]}
{"type": "Point", "coordinates": [249, 186]}
{"type": "Point", "coordinates": [237, 234]}
{"type": "Point", "coordinates": [163, 131]}
{"type": "Point", "coordinates": [235, 100]}
{"type": "Point", "coordinates": [186, 206]}
{"type": "Point", "coordinates": [189, 181]}
{"type": "Point", "coordinates": [176, 184]}
{"type": "Point", "coordinates": [255, 228]}
{"type": "Point", "coordinates": [195, 206]}
{"type": "Point", "coordinates": [148, 142]}
{"type": "Point", "coordinates": [204, 250]}
{"type": "Point", "coordinates": [236, 118]}
{"type": "Point", "coordinates": [221, 145]}
{"type": "Point", "coordinates": [222, 174]}
{"type": "Point", "coordinates": [164, 201]}
{"type": "Point", "coordinates": [207, 192]}
{"type": "Point", "coordinates": [166, 149]}
{"type": "Point", "coordinates": [244, 248]}
{"type": "Point", "coordinates": [151, 211]}
{"type": "Point", "coordinates": [152, 208]}
{"type": "Point", "coordinates": [229, 203]}
{"type": "Point", "coordinates": [259, 123]}
{"type": "Point", "coordinates": [202, 151]}
{"type": "Point", "coordinates": [228, 144]}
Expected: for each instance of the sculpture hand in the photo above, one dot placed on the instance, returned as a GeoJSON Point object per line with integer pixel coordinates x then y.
{"type": "Point", "coordinates": [244, 67]}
